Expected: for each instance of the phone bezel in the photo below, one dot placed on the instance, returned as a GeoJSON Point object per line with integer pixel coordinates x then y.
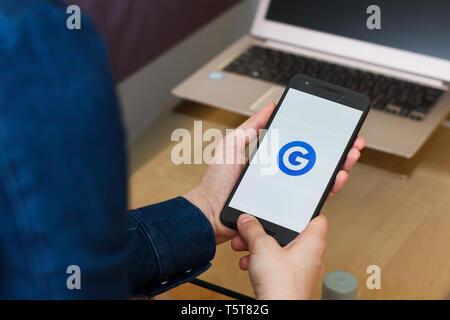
{"type": "Point", "coordinates": [325, 90]}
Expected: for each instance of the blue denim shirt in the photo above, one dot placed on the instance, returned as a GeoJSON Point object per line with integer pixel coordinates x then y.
{"type": "Point", "coordinates": [63, 173]}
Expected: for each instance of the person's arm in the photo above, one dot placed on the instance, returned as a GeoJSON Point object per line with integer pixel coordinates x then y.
{"type": "Point", "coordinates": [172, 242]}
{"type": "Point", "coordinates": [63, 231]}
{"type": "Point", "coordinates": [63, 173]}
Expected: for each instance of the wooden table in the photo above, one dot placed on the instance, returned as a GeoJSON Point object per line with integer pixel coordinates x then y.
{"type": "Point", "coordinates": [392, 213]}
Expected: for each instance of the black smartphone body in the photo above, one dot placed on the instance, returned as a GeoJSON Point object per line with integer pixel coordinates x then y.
{"type": "Point", "coordinates": [305, 145]}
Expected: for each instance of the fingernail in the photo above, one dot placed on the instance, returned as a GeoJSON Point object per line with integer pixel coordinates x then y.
{"type": "Point", "coordinates": [245, 218]}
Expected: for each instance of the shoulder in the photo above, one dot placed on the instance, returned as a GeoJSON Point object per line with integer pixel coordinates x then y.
{"type": "Point", "coordinates": [16, 16]}
{"type": "Point", "coordinates": [39, 26]}
{"type": "Point", "coordinates": [49, 71]}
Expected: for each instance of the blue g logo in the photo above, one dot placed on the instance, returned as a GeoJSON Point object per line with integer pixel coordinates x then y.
{"type": "Point", "coordinates": [296, 158]}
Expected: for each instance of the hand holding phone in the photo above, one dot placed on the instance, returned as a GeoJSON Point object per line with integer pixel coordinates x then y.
{"type": "Point", "coordinates": [317, 124]}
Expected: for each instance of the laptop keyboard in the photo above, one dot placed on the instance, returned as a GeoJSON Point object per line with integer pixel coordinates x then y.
{"type": "Point", "coordinates": [394, 96]}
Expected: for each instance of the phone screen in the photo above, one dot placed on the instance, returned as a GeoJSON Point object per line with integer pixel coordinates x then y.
{"type": "Point", "coordinates": [286, 179]}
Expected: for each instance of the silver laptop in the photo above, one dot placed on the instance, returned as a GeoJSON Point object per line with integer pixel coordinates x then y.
{"type": "Point", "coordinates": [397, 53]}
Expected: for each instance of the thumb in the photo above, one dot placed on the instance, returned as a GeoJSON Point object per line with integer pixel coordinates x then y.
{"type": "Point", "coordinates": [314, 236]}
{"type": "Point", "coordinates": [252, 232]}
{"type": "Point", "coordinates": [317, 227]}
{"type": "Point", "coordinates": [259, 119]}
{"type": "Point", "coordinates": [243, 135]}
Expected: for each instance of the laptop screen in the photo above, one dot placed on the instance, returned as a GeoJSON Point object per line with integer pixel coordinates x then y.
{"type": "Point", "coordinates": [420, 26]}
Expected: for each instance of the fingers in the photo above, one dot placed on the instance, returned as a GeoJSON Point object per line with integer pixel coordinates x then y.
{"type": "Point", "coordinates": [244, 262]}
{"type": "Point", "coordinates": [354, 153]}
{"type": "Point", "coordinates": [360, 143]}
{"type": "Point", "coordinates": [339, 182]}
{"type": "Point", "coordinates": [238, 244]}
{"type": "Point", "coordinates": [259, 120]}
{"type": "Point", "coordinates": [352, 156]}
{"type": "Point", "coordinates": [252, 232]}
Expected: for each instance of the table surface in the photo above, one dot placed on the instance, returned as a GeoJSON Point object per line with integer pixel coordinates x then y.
{"type": "Point", "coordinates": [393, 213]}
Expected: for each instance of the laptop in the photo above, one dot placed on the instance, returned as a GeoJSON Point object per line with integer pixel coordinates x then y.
{"type": "Point", "coordinates": [402, 64]}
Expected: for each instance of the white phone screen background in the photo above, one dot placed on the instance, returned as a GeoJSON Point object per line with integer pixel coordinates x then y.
{"type": "Point", "coordinates": [286, 200]}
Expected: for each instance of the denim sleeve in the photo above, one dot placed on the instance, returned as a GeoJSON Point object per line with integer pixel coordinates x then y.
{"type": "Point", "coordinates": [63, 173]}
{"type": "Point", "coordinates": [62, 160]}
{"type": "Point", "coordinates": [172, 242]}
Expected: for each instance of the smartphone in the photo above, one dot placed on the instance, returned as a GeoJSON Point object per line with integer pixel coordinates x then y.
{"type": "Point", "coordinates": [305, 145]}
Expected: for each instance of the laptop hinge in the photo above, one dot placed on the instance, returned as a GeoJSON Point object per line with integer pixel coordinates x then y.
{"type": "Point", "coordinates": [434, 83]}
